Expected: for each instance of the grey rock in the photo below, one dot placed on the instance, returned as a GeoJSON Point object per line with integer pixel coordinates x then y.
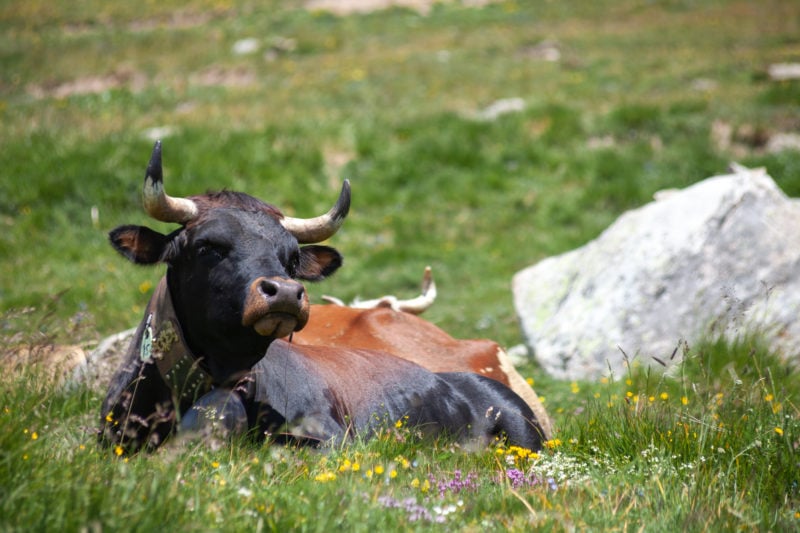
{"type": "Point", "coordinates": [721, 257]}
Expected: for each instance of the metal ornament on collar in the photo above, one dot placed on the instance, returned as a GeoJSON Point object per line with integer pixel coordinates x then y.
{"type": "Point", "coordinates": [146, 346]}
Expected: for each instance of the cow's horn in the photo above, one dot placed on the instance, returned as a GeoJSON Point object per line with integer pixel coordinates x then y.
{"type": "Point", "coordinates": [157, 202]}
{"type": "Point", "coordinates": [421, 303]}
{"type": "Point", "coordinates": [311, 230]}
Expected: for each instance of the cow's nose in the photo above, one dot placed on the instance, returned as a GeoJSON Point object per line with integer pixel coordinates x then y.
{"type": "Point", "coordinates": [275, 306]}
{"type": "Point", "coordinates": [277, 289]}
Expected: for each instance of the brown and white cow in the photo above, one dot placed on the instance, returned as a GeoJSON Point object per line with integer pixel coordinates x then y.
{"type": "Point", "coordinates": [390, 324]}
{"type": "Point", "coordinates": [211, 338]}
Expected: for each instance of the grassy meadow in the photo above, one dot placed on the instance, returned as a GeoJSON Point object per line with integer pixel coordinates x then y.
{"type": "Point", "coordinates": [614, 100]}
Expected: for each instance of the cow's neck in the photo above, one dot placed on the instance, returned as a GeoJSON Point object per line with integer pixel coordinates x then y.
{"type": "Point", "coordinates": [228, 350]}
{"type": "Point", "coordinates": [163, 342]}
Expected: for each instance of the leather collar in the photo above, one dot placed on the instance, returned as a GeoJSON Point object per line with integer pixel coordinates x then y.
{"type": "Point", "coordinates": [163, 343]}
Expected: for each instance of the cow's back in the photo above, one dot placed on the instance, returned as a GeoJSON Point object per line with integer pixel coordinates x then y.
{"type": "Point", "coordinates": [400, 334]}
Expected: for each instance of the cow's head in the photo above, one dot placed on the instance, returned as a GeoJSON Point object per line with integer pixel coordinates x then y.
{"type": "Point", "coordinates": [233, 267]}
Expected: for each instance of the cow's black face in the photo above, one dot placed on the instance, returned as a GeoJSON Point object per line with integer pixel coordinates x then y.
{"type": "Point", "coordinates": [232, 277]}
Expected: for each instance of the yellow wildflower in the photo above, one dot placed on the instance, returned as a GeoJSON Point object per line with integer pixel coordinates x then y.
{"type": "Point", "coordinates": [664, 396]}
{"type": "Point", "coordinates": [426, 486]}
{"type": "Point", "coordinates": [118, 450]}
{"type": "Point", "coordinates": [769, 397]}
{"type": "Point", "coordinates": [779, 431]}
{"type": "Point", "coordinates": [521, 453]}
{"type": "Point", "coordinates": [684, 400]}
{"type": "Point", "coordinates": [379, 470]}
{"type": "Point", "coordinates": [324, 477]}
{"type": "Point", "coordinates": [553, 443]}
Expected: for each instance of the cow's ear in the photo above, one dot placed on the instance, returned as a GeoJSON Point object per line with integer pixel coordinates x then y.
{"type": "Point", "coordinates": [140, 244]}
{"type": "Point", "coordinates": [317, 262]}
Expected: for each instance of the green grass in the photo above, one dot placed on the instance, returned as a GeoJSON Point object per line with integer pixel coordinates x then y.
{"type": "Point", "coordinates": [712, 446]}
{"type": "Point", "coordinates": [388, 100]}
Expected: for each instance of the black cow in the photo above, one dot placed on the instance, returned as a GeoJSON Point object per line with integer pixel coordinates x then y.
{"type": "Point", "coordinates": [208, 348]}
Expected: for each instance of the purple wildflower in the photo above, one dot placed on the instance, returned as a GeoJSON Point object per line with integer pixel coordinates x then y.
{"type": "Point", "coordinates": [516, 477]}
{"type": "Point", "coordinates": [414, 511]}
{"type": "Point", "coordinates": [457, 484]}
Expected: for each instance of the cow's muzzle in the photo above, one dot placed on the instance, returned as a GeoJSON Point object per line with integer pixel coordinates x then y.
{"type": "Point", "coordinates": [275, 307]}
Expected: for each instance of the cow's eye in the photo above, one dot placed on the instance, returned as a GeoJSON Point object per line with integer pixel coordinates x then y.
{"type": "Point", "coordinates": [211, 251]}
{"type": "Point", "coordinates": [293, 264]}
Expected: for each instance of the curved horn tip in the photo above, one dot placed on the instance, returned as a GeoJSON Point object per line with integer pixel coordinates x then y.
{"type": "Point", "coordinates": [154, 171]}
{"type": "Point", "coordinates": [342, 207]}
{"type": "Point", "coordinates": [427, 279]}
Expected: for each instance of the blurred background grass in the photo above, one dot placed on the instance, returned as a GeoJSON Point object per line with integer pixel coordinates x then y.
{"type": "Point", "coordinates": [620, 99]}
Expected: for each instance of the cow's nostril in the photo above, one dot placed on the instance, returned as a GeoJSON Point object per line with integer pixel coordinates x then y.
{"type": "Point", "coordinates": [300, 293]}
{"type": "Point", "coordinates": [268, 288]}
